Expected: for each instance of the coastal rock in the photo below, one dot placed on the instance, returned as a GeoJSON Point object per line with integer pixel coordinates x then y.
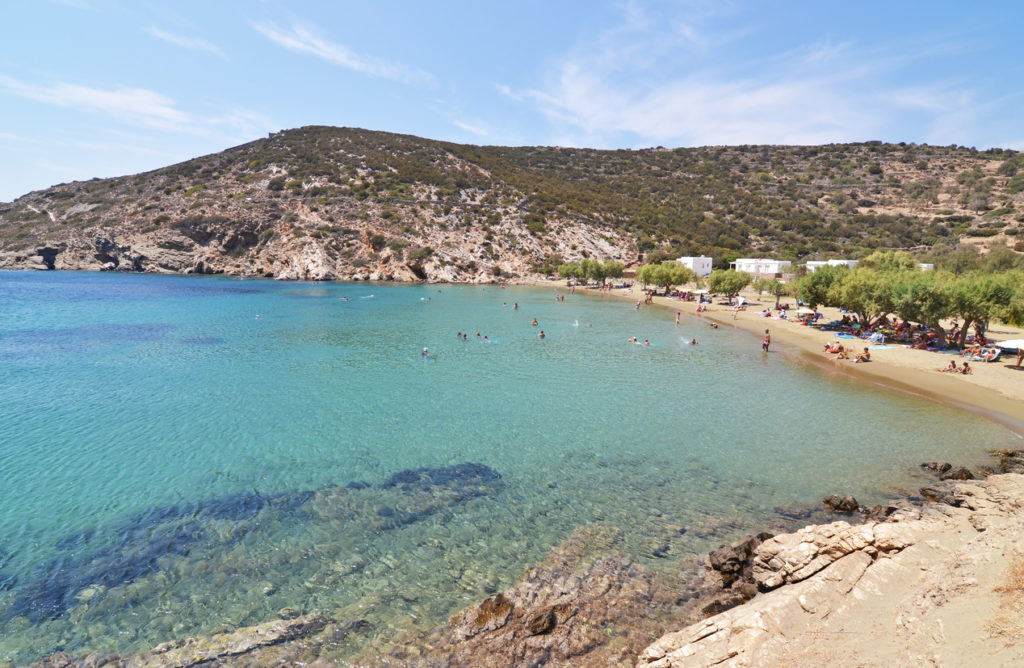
{"type": "Point", "coordinates": [957, 473]}
{"type": "Point", "coordinates": [1011, 461]}
{"type": "Point", "coordinates": [936, 467]}
{"type": "Point", "coordinates": [902, 598]}
{"type": "Point", "coordinates": [944, 491]}
{"type": "Point", "coordinates": [845, 504]}
{"type": "Point", "coordinates": [568, 611]}
{"type": "Point", "coordinates": [797, 556]}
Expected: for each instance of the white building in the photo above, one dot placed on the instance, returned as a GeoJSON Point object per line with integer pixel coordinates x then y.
{"type": "Point", "coordinates": [925, 266]}
{"type": "Point", "coordinates": [761, 267]}
{"type": "Point", "coordinates": [700, 265]}
{"type": "Point", "coordinates": [814, 264]}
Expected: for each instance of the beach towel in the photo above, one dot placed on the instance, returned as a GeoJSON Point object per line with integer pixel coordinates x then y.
{"type": "Point", "coordinates": [880, 347]}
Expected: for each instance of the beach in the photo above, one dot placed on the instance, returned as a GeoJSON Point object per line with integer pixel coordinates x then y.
{"type": "Point", "coordinates": [947, 591]}
{"type": "Point", "coordinates": [995, 390]}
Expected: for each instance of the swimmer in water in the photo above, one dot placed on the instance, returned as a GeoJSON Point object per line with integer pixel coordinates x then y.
{"type": "Point", "coordinates": [534, 323]}
{"type": "Point", "coordinates": [541, 335]}
{"type": "Point", "coordinates": [646, 342]}
{"type": "Point", "coordinates": [426, 353]}
{"type": "Point", "coordinates": [693, 342]}
{"type": "Point", "coordinates": [677, 317]}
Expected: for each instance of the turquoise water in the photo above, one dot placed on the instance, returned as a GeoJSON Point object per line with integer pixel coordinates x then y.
{"type": "Point", "coordinates": [185, 454]}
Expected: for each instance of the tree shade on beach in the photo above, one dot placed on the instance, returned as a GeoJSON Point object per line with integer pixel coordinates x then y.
{"type": "Point", "coordinates": [891, 283]}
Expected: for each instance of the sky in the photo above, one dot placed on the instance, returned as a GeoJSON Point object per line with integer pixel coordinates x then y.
{"type": "Point", "coordinates": [99, 88]}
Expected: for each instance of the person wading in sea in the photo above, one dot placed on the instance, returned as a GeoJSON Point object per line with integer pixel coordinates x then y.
{"type": "Point", "coordinates": [767, 341]}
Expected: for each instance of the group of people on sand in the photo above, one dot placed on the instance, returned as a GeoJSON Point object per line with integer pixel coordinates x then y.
{"type": "Point", "coordinates": [837, 349]}
{"type": "Point", "coordinates": [953, 368]}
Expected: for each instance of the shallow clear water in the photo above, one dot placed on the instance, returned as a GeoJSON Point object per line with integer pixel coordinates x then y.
{"type": "Point", "coordinates": [157, 434]}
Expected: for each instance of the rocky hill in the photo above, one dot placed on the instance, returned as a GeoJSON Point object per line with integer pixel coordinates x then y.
{"type": "Point", "coordinates": [341, 203]}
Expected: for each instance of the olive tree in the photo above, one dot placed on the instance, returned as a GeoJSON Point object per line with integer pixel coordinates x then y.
{"type": "Point", "coordinates": [728, 282]}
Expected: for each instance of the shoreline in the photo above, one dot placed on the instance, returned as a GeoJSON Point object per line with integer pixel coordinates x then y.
{"type": "Point", "coordinates": [795, 346]}
{"type": "Point", "coordinates": [897, 368]}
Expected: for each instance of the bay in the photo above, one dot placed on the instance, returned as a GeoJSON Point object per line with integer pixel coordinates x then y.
{"type": "Point", "coordinates": [182, 454]}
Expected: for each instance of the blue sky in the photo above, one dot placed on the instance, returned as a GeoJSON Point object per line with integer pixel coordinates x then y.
{"type": "Point", "coordinates": [108, 87]}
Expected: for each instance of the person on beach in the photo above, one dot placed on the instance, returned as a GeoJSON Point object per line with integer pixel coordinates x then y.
{"type": "Point", "coordinates": [951, 367]}
{"type": "Point", "coordinates": [863, 357]}
{"type": "Point", "coordinates": [767, 341]}
{"type": "Point", "coordinates": [1020, 356]}
{"type": "Point", "coordinates": [966, 369]}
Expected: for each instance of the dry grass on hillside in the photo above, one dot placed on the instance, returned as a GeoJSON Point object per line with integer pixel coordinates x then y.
{"type": "Point", "coordinates": [1008, 623]}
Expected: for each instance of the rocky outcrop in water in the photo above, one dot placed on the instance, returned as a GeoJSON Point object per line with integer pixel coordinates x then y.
{"type": "Point", "coordinates": [582, 606]}
{"type": "Point", "coordinates": [887, 593]}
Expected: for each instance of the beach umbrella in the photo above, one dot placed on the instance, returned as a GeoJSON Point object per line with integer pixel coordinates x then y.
{"type": "Point", "coordinates": [805, 311]}
{"type": "Point", "coordinates": [1013, 343]}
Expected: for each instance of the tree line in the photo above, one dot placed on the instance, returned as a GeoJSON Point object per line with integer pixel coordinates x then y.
{"type": "Point", "coordinates": [891, 283]}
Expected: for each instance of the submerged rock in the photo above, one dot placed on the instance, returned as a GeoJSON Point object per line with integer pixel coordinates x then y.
{"type": "Point", "coordinates": [145, 543]}
{"type": "Point", "coordinates": [576, 608]}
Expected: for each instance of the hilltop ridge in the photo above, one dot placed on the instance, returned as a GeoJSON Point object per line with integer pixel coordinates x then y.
{"type": "Point", "coordinates": [341, 203]}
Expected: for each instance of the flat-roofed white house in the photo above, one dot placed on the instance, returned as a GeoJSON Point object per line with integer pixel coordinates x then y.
{"type": "Point", "coordinates": [814, 264]}
{"type": "Point", "coordinates": [924, 266]}
{"type": "Point", "coordinates": [761, 267]}
{"type": "Point", "coordinates": [700, 265]}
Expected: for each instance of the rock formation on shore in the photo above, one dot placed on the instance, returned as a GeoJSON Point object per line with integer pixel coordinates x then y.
{"type": "Point", "coordinates": [939, 584]}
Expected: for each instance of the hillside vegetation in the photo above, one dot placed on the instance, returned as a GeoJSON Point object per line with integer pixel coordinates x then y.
{"type": "Point", "coordinates": [325, 202]}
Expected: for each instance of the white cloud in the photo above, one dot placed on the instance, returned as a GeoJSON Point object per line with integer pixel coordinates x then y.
{"type": "Point", "coordinates": [303, 40]}
{"type": "Point", "coordinates": [675, 81]}
{"type": "Point", "coordinates": [134, 105]}
{"type": "Point", "coordinates": [139, 107]}
{"type": "Point", "coordinates": [191, 43]}
{"type": "Point", "coordinates": [476, 129]}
